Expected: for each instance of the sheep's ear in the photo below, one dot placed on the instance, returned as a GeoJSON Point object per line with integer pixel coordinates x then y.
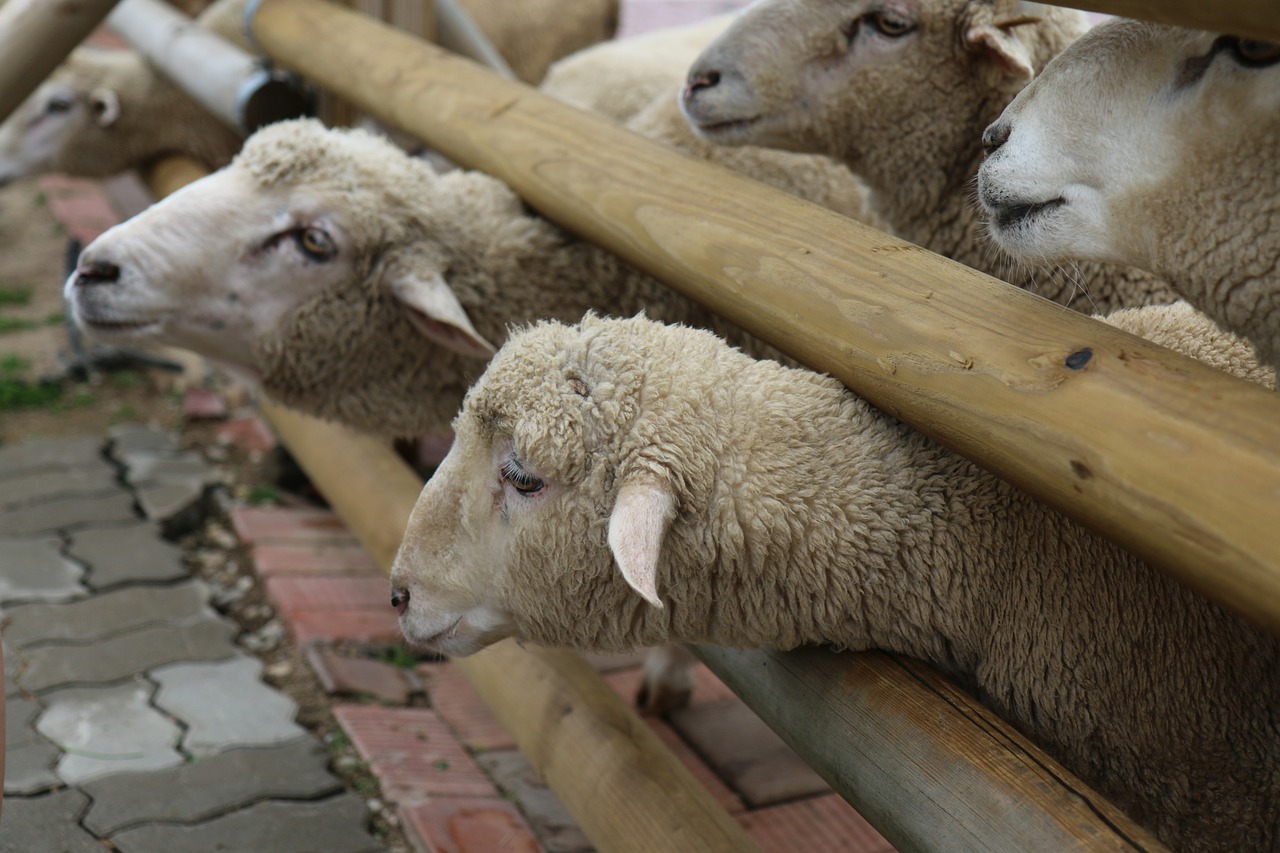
{"type": "Point", "coordinates": [1001, 42]}
{"type": "Point", "coordinates": [105, 106]}
{"type": "Point", "coordinates": [637, 526]}
{"type": "Point", "coordinates": [435, 311]}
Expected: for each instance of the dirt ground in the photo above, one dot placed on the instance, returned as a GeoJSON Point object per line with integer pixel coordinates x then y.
{"type": "Point", "coordinates": [33, 348]}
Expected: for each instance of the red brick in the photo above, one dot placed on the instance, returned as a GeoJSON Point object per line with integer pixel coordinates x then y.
{"type": "Point", "coordinates": [698, 768]}
{"type": "Point", "coordinates": [319, 558]}
{"type": "Point", "coordinates": [467, 825]}
{"type": "Point", "coordinates": [746, 753]}
{"type": "Point", "coordinates": [363, 626]}
{"type": "Point", "coordinates": [706, 687]}
{"type": "Point", "coordinates": [412, 753]}
{"type": "Point", "coordinates": [248, 433]}
{"type": "Point", "coordinates": [457, 702]}
{"type": "Point", "coordinates": [824, 824]}
{"type": "Point", "coordinates": [80, 205]}
{"type": "Point", "coordinates": [289, 526]}
{"type": "Point", "coordinates": [614, 661]}
{"type": "Point", "coordinates": [294, 594]}
{"type": "Point", "coordinates": [203, 404]}
{"type": "Point", "coordinates": [357, 675]}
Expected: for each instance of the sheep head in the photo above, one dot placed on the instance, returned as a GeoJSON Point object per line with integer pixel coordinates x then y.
{"type": "Point", "coordinates": [847, 77]}
{"type": "Point", "coordinates": [552, 518]}
{"type": "Point", "coordinates": [313, 264]}
{"type": "Point", "coordinates": [1152, 146]}
{"type": "Point", "coordinates": [73, 109]}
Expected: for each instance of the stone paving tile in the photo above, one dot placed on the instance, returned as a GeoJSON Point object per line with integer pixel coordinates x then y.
{"type": "Point", "coordinates": [313, 559]}
{"type": "Point", "coordinates": [458, 703]}
{"type": "Point", "coordinates": [40, 486]}
{"type": "Point", "coordinates": [378, 627]}
{"type": "Point", "coordinates": [142, 466]}
{"type": "Point", "coordinates": [107, 730]}
{"type": "Point", "coordinates": [46, 825]}
{"type": "Point", "coordinates": [67, 514]}
{"type": "Point", "coordinates": [137, 438]}
{"type": "Point", "coordinates": [293, 594]}
{"type": "Point", "coordinates": [289, 525]}
{"type": "Point", "coordinates": [358, 675]}
{"type": "Point", "coordinates": [106, 615]}
{"type": "Point", "coordinates": [698, 768]}
{"type": "Point", "coordinates": [133, 552]}
{"type": "Point", "coordinates": [28, 456]}
{"type": "Point", "coordinates": [746, 753]}
{"type": "Point", "coordinates": [127, 654]}
{"type": "Point", "coordinates": [824, 824]}
{"type": "Point", "coordinates": [29, 758]}
{"type": "Point", "coordinates": [198, 695]}
{"type": "Point", "coordinates": [37, 570]}
{"type": "Point", "coordinates": [213, 785]}
{"type": "Point", "coordinates": [178, 505]}
{"type": "Point", "coordinates": [467, 825]}
{"type": "Point", "coordinates": [551, 822]}
{"type": "Point", "coordinates": [412, 753]}
{"type": "Point", "coordinates": [335, 825]}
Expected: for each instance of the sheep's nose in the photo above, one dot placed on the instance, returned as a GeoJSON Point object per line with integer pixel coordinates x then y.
{"type": "Point", "coordinates": [400, 599]}
{"type": "Point", "coordinates": [700, 80]}
{"type": "Point", "coordinates": [996, 134]}
{"type": "Point", "coordinates": [96, 272]}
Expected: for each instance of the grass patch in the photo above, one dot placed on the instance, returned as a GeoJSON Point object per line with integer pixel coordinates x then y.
{"type": "Point", "coordinates": [15, 294]}
{"type": "Point", "coordinates": [12, 364]}
{"type": "Point", "coordinates": [398, 656]}
{"type": "Point", "coordinates": [263, 494]}
{"type": "Point", "coordinates": [124, 412]}
{"type": "Point", "coordinates": [19, 394]}
{"type": "Point", "coordinates": [126, 379]}
{"type": "Point", "coordinates": [16, 324]}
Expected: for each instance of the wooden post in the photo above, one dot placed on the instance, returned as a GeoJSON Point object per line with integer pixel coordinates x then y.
{"type": "Point", "coordinates": [1173, 459]}
{"type": "Point", "coordinates": [227, 81]}
{"type": "Point", "coordinates": [870, 724]}
{"type": "Point", "coordinates": [1258, 19]}
{"type": "Point", "coordinates": [35, 36]}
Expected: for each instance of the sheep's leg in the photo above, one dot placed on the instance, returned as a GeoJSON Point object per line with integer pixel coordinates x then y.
{"type": "Point", "coordinates": [668, 680]}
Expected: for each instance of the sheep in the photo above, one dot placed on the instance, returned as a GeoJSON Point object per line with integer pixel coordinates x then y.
{"type": "Point", "coordinates": [105, 111]}
{"type": "Point", "coordinates": [623, 483]}
{"type": "Point", "coordinates": [900, 93]}
{"type": "Point", "coordinates": [1153, 146]}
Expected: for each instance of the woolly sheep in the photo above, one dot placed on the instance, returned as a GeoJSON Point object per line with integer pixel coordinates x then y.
{"type": "Point", "coordinates": [1153, 146]}
{"type": "Point", "coordinates": [899, 92]}
{"type": "Point", "coordinates": [104, 111]}
{"type": "Point", "coordinates": [624, 483]}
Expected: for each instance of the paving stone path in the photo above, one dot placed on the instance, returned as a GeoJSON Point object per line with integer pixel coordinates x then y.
{"type": "Point", "coordinates": [132, 716]}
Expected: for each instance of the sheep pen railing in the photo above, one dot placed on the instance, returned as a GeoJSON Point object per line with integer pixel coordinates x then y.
{"type": "Point", "coordinates": [1019, 388]}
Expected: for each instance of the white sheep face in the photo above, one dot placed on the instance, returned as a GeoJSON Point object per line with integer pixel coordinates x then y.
{"type": "Point", "coordinates": [212, 268]}
{"type": "Point", "coordinates": [1099, 158]}
{"type": "Point", "coordinates": [32, 139]}
{"type": "Point", "coordinates": [814, 75]}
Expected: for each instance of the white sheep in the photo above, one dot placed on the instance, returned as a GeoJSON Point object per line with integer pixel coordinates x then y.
{"type": "Point", "coordinates": [1153, 146]}
{"type": "Point", "coordinates": [104, 111]}
{"type": "Point", "coordinates": [624, 483]}
{"type": "Point", "coordinates": [899, 92]}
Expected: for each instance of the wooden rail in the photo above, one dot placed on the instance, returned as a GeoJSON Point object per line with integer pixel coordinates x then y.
{"type": "Point", "coordinates": [1173, 459]}
{"type": "Point", "coordinates": [35, 36]}
{"type": "Point", "coordinates": [1253, 18]}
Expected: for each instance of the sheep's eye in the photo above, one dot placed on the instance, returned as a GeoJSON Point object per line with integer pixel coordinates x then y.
{"type": "Point", "coordinates": [57, 105]}
{"type": "Point", "coordinates": [888, 24]}
{"type": "Point", "coordinates": [521, 480]}
{"type": "Point", "coordinates": [316, 244]}
{"type": "Point", "coordinates": [1255, 53]}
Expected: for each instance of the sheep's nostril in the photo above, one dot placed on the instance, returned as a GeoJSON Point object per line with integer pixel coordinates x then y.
{"type": "Point", "coordinates": [400, 599]}
{"type": "Point", "coordinates": [97, 272]}
{"type": "Point", "coordinates": [700, 80]}
{"type": "Point", "coordinates": [996, 135]}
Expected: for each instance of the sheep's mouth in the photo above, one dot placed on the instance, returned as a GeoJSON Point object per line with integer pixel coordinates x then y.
{"type": "Point", "coordinates": [1007, 217]}
{"type": "Point", "coordinates": [441, 636]}
{"type": "Point", "coordinates": [731, 127]}
{"type": "Point", "coordinates": [117, 326]}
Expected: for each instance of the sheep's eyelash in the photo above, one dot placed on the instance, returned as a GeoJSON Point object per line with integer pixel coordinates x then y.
{"type": "Point", "coordinates": [524, 482]}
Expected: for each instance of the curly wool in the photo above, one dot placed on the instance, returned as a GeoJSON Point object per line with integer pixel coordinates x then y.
{"type": "Point", "coordinates": [806, 516]}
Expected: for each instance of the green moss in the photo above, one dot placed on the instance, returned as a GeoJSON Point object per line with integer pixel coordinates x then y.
{"type": "Point", "coordinates": [15, 294]}
{"type": "Point", "coordinates": [16, 324]}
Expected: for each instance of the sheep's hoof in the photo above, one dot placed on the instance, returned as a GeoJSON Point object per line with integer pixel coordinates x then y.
{"type": "Point", "coordinates": [659, 699]}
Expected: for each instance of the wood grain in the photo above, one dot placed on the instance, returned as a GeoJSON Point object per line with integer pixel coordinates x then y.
{"type": "Point", "coordinates": [1258, 19]}
{"type": "Point", "coordinates": [35, 36]}
{"type": "Point", "coordinates": [1177, 461]}
{"type": "Point", "coordinates": [927, 765]}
